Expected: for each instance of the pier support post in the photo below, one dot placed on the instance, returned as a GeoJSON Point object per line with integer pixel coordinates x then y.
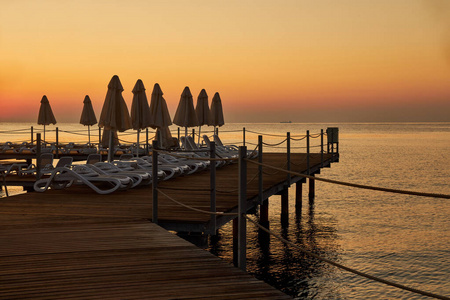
{"type": "Point", "coordinates": [242, 209]}
{"type": "Point", "coordinates": [284, 206]}
{"type": "Point", "coordinates": [264, 213]}
{"type": "Point", "coordinates": [235, 241]}
{"type": "Point", "coordinates": [312, 189]}
{"type": "Point", "coordinates": [298, 196]}
{"type": "Point", "coordinates": [212, 186]}
{"type": "Point", "coordinates": [155, 182]}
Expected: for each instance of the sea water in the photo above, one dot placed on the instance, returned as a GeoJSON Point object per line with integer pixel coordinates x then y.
{"type": "Point", "coordinates": [400, 238]}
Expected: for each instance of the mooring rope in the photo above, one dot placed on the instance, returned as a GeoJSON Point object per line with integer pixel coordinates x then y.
{"type": "Point", "coordinates": [361, 186]}
{"type": "Point", "coordinates": [400, 286]}
{"type": "Point", "coordinates": [196, 209]}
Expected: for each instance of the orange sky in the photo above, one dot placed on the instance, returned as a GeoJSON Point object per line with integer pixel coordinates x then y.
{"type": "Point", "coordinates": [305, 61]}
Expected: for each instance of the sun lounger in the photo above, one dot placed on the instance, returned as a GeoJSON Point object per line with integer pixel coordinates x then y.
{"type": "Point", "coordinates": [138, 177]}
{"type": "Point", "coordinates": [46, 165]}
{"type": "Point", "coordinates": [64, 177]}
{"type": "Point", "coordinates": [218, 141]}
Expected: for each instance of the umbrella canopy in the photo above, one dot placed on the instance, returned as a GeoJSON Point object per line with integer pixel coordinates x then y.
{"type": "Point", "coordinates": [216, 111]}
{"type": "Point", "coordinates": [107, 135]}
{"type": "Point", "coordinates": [185, 115]}
{"type": "Point", "coordinates": [140, 111]}
{"type": "Point", "coordinates": [46, 116]}
{"type": "Point", "coordinates": [166, 137]}
{"type": "Point", "coordinates": [88, 114]}
{"type": "Point", "coordinates": [202, 109]}
{"type": "Point", "coordinates": [203, 112]}
{"type": "Point", "coordinates": [115, 115]}
{"type": "Point", "coordinates": [158, 109]}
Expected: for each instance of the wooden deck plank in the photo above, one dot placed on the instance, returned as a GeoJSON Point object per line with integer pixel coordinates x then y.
{"type": "Point", "coordinates": [113, 261]}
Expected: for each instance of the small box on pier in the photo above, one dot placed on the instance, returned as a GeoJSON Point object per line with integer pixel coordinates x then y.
{"type": "Point", "coordinates": [333, 135]}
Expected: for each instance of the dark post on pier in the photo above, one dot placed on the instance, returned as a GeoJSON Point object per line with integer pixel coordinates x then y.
{"type": "Point", "coordinates": [155, 182]}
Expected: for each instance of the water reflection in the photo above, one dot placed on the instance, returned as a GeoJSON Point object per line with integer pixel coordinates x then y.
{"type": "Point", "coordinates": [280, 265]}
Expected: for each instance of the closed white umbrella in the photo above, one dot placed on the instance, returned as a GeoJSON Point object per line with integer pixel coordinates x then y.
{"type": "Point", "coordinates": [203, 112]}
{"type": "Point", "coordinates": [114, 115]}
{"type": "Point", "coordinates": [185, 115]}
{"type": "Point", "coordinates": [88, 117]}
{"type": "Point", "coordinates": [216, 112]}
{"type": "Point", "coordinates": [46, 116]}
{"type": "Point", "coordinates": [140, 111]}
{"type": "Point", "coordinates": [160, 114]}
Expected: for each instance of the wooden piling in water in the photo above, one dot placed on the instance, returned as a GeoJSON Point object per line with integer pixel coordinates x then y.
{"type": "Point", "coordinates": [298, 195]}
{"type": "Point", "coordinates": [312, 189]}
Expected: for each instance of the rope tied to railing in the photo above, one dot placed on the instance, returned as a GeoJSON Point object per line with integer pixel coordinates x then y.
{"type": "Point", "coordinates": [298, 139]}
{"type": "Point", "coordinates": [276, 144]}
{"type": "Point", "coordinates": [400, 286]}
{"type": "Point", "coordinates": [361, 186]}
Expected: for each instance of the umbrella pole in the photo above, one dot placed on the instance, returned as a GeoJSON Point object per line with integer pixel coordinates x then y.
{"type": "Point", "coordinates": [137, 144]}
{"type": "Point", "coordinates": [44, 134]}
{"type": "Point", "coordinates": [185, 135]}
{"type": "Point", "coordinates": [111, 145]}
{"type": "Point", "coordinates": [89, 134]}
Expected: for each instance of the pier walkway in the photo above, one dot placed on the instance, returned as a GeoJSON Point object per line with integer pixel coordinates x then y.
{"type": "Point", "coordinates": [74, 243]}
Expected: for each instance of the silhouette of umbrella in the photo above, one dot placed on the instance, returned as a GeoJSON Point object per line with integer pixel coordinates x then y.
{"type": "Point", "coordinates": [114, 115]}
{"type": "Point", "coordinates": [140, 111]}
{"type": "Point", "coordinates": [159, 112]}
{"type": "Point", "coordinates": [106, 138]}
{"type": "Point", "coordinates": [203, 112]}
{"type": "Point", "coordinates": [216, 112]}
{"type": "Point", "coordinates": [185, 115]}
{"type": "Point", "coordinates": [88, 116]}
{"type": "Point", "coordinates": [46, 116]}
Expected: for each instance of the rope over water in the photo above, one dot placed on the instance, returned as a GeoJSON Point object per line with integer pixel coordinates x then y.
{"type": "Point", "coordinates": [361, 186]}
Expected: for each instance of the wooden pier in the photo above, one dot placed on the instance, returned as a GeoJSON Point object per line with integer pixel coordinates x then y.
{"type": "Point", "coordinates": [74, 243]}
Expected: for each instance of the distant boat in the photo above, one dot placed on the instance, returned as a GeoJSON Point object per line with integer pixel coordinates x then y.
{"type": "Point", "coordinates": [286, 122]}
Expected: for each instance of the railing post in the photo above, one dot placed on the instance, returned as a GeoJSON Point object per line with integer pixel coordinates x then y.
{"type": "Point", "coordinates": [260, 169]}
{"type": "Point", "coordinates": [242, 209]}
{"type": "Point", "coordinates": [321, 148]}
{"type": "Point", "coordinates": [32, 136]}
{"type": "Point", "coordinates": [155, 182]}
{"type": "Point", "coordinates": [243, 136]}
{"type": "Point", "coordinates": [57, 142]}
{"type": "Point", "coordinates": [288, 147]}
{"type": "Point", "coordinates": [307, 153]}
{"type": "Point", "coordinates": [38, 156]}
{"type": "Point", "coordinates": [212, 185]}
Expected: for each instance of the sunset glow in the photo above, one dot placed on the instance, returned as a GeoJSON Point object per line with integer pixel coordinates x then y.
{"type": "Point", "coordinates": [305, 61]}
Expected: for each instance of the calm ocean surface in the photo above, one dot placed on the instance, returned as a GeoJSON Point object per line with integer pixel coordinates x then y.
{"type": "Point", "coordinates": [401, 238]}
